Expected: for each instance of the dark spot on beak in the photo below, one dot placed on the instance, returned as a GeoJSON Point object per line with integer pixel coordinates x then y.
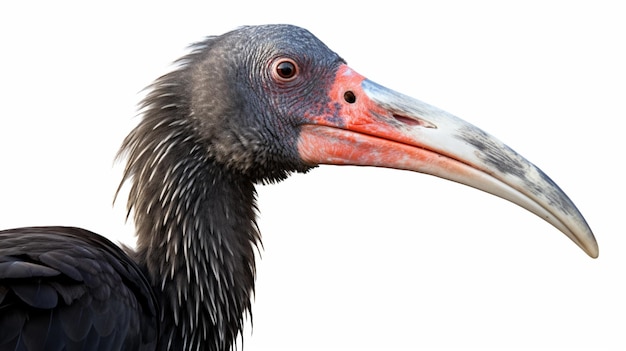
{"type": "Point", "coordinates": [496, 155]}
{"type": "Point", "coordinates": [411, 121]}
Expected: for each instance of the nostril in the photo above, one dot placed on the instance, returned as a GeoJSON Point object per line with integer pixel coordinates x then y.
{"type": "Point", "coordinates": [349, 97]}
{"type": "Point", "coordinates": [412, 121]}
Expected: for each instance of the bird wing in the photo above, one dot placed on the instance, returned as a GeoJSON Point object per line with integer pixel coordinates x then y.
{"type": "Point", "coordinates": [64, 288]}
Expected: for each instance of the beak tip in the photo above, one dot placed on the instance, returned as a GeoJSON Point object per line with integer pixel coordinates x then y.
{"type": "Point", "coordinates": [593, 251]}
{"type": "Point", "coordinates": [589, 245]}
{"type": "Point", "coordinates": [588, 242]}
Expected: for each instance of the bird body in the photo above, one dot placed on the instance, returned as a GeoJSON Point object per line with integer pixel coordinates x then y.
{"type": "Point", "coordinates": [247, 107]}
{"type": "Point", "coordinates": [78, 287]}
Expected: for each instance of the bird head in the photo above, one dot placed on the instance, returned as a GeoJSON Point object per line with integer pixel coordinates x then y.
{"type": "Point", "coordinates": [265, 101]}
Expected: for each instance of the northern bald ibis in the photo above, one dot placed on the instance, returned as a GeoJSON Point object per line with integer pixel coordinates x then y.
{"type": "Point", "coordinates": [250, 106]}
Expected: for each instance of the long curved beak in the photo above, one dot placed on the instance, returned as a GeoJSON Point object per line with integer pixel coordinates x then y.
{"type": "Point", "coordinates": [367, 124]}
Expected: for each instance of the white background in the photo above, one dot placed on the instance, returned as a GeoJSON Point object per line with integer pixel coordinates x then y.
{"type": "Point", "coordinates": [358, 258]}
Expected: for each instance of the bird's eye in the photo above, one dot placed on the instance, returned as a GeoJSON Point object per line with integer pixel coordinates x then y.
{"type": "Point", "coordinates": [285, 70]}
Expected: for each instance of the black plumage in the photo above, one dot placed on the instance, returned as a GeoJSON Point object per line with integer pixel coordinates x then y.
{"type": "Point", "coordinates": [66, 288]}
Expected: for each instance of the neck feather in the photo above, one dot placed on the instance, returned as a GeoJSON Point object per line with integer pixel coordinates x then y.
{"type": "Point", "coordinates": [195, 223]}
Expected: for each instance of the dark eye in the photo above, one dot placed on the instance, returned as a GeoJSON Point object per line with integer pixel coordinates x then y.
{"type": "Point", "coordinates": [285, 70]}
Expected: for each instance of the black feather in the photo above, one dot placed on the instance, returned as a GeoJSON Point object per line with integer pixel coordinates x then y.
{"type": "Point", "coordinates": [78, 301]}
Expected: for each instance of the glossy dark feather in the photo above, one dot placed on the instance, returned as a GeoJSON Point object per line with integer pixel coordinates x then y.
{"type": "Point", "coordinates": [66, 288]}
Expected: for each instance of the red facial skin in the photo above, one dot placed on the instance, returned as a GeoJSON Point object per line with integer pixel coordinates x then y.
{"type": "Point", "coordinates": [366, 134]}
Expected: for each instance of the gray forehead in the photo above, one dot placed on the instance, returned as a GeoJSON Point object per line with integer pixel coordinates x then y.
{"type": "Point", "coordinates": [280, 39]}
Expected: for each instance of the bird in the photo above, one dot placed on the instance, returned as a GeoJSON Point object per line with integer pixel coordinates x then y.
{"type": "Point", "coordinates": [248, 107]}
